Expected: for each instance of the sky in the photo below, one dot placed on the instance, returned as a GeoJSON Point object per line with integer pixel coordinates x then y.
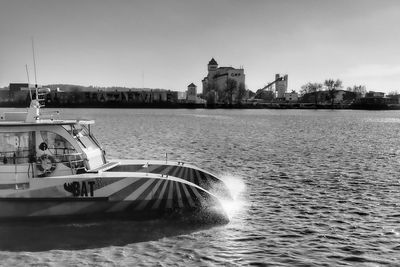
{"type": "Point", "coordinates": [168, 43]}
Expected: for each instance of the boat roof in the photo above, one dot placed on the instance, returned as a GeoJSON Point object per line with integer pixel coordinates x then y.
{"type": "Point", "coordinates": [46, 122]}
{"type": "Point", "coordinates": [33, 117]}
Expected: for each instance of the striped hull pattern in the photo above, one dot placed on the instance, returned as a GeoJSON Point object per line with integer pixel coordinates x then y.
{"type": "Point", "coordinates": [193, 175]}
{"type": "Point", "coordinates": [111, 195]}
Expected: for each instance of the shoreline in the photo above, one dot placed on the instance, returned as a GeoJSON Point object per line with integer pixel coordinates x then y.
{"type": "Point", "coordinates": [116, 105]}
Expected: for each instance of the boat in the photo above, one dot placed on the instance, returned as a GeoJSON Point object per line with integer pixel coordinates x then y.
{"type": "Point", "coordinates": [52, 167]}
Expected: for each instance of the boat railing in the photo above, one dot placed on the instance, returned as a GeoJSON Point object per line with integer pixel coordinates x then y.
{"type": "Point", "coordinates": [74, 160]}
{"type": "Point", "coordinates": [20, 158]}
{"type": "Point", "coordinates": [41, 97]}
{"type": "Point", "coordinates": [16, 157]}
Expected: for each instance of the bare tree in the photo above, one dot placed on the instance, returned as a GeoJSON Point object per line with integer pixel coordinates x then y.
{"type": "Point", "coordinates": [241, 92]}
{"type": "Point", "coordinates": [230, 89]}
{"type": "Point", "coordinates": [311, 88]}
{"type": "Point", "coordinates": [210, 98]}
{"type": "Point", "coordinates": [332, 87]}
{"type": "Point", "coordinates": [211, 93]}
{"type": "Point", "coordinates": [360, 90]}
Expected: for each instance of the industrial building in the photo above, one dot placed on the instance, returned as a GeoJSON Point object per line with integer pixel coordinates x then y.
{"type": "Point", "coordinates": [281, 86]}
{"type": "Point", "coordinates": [19, 95]}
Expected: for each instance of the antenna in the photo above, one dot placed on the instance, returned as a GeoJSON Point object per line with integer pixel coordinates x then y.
{"type": "Point", "coordinates": [29, 83]}
{"type": "Point", "coordinates": [34, 67]}
{"type": "Point", "coordinates": [142, 79]}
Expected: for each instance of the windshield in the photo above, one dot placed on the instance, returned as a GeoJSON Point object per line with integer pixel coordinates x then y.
{"type": "Point", "coordinates": [82, 134]}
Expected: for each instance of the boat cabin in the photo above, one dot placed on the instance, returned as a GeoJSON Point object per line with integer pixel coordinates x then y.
{"type": "Point", "coordinates": [32, 149]}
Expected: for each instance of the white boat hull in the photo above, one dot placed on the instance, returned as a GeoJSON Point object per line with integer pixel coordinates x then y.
{"type": "Point", "coordinates": [134, 194]}
{"type": "Point", "coordinates": [55, 167]}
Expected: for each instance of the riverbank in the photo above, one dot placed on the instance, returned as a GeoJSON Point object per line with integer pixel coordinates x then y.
{"type": "Point", "coordinates": [166, 105]}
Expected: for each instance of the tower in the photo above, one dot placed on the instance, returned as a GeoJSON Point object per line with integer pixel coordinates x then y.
{"type": "Point", "coordinates": [281, 85]}
{"type": "Point", "coordinates": [212, 65]}
{"type": "Point", "coordinates": [208, 81]}
{"type": "Point", "coordinates": [191, 94]}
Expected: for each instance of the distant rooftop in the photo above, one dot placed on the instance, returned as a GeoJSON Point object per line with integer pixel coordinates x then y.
{"type": "Point", "coordinates": [226, 68]}
{"type": "Point", "coordinates": [212, 62]}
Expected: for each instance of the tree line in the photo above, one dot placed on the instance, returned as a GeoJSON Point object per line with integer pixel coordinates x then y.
{"type": "Point", "coordinates": [330, 86]}
{"type": "Point", "coordinates": [232, 92]}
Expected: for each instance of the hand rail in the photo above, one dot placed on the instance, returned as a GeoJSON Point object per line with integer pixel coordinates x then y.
{"type": "Point", "coordinates": [75, 160]}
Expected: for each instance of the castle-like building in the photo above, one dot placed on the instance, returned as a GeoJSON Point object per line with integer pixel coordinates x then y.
{"type": "Point", "coordinates": [219, 78]}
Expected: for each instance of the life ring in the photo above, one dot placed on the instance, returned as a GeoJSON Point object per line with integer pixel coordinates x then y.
{"type": "Point", "coordinates": [46, 164]}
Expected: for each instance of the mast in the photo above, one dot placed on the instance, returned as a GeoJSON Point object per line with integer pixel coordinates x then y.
{"type": "Point", "coordinates": [34, 68]}
{"type": "Point", "coordinates": [34, 108]}
{"type": "Point", "coordinates": [27, 75]}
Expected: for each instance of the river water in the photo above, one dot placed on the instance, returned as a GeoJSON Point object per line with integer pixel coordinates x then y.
{"type": "Point", "coordinates": [312, 188]}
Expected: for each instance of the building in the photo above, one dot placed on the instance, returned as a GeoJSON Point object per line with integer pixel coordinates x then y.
{"type": "Point", "coordinates": [156, 96]}
{"type": "Point", "coordinates": [19, 92]}
{"type": "Point", "coordinates": [17, 87]}
{"type": "Point", "coordinates": [18, 95]}
{"type": "Point", "coordinates": [374, 94]}
{"type": "Point", "coordinates": [394, 98]}
{"type": "Point", "coordinates": [281, 85]}
{"type": "Point", "coordinates": [182, 96]}
{"type": "Point", "coordinates": [373, 100]}
{"type": "Point", "coordinates": [221, 79]}
{"type": "Point", "coordinates": [191, 95]}
{"type": "Point", "coordinates": [291, 97]}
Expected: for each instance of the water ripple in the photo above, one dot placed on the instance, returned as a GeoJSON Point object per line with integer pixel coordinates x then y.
{"type": "Point", "coordinates": [320, 189]}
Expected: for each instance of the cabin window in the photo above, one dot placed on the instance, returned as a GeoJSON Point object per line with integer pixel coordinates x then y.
{"type": "Point", "coordinates": [82, 134]}
{"type": "Point", "coordinates": [61, 149]}
{"type": "Point", "coordinates": [16, 148]}
{"type": "Point", "coordinates": [57, 144]}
